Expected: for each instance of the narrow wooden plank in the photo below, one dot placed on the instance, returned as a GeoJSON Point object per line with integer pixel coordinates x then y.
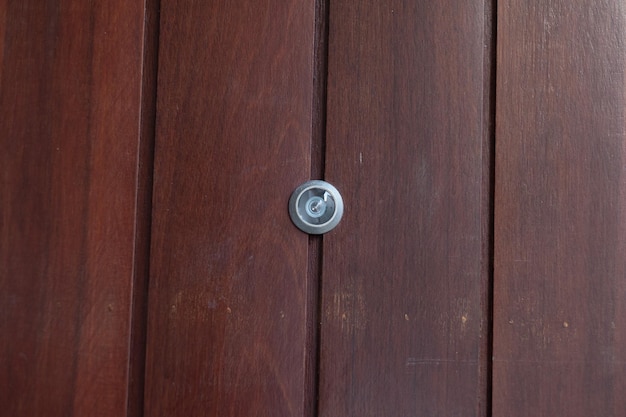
{"type": "Point", "coordinates": [560, 264]}
{"type": "Point", "coordinates": [228, 293]}
{"type": "Point", "coordinates": [70, 92]}
{"type": "Point", "coordinates": [405, 274]}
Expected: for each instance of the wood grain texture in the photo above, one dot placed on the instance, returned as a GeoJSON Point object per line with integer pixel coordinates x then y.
{"type": "Point", "coordinates": [405, 273]}
{"type": "Point", "coordinates": [560, 226]}
{"type": "Point", "coordinates": [228, 293]}
{"type": "Point", "coordinates": [70, 95]}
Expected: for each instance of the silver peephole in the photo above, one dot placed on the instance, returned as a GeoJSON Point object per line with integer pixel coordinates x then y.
{"type": "Point", "coordinates": [316, 207]}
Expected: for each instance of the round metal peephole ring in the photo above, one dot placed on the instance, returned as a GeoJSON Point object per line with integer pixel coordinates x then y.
{"type": "Point", "coordinates": [316, 207]}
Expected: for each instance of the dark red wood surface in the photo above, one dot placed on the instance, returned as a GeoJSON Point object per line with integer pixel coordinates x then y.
{"type": "Point", "coordinates": [405, 274]}
{"type": "Point", "coordinates": [227, 330]}
{"type": "Point", "coordinates": [560, 210]}
{"type": "Point", "coordinates": [70, 98]}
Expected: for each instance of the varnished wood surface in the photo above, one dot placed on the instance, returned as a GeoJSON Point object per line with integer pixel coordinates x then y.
{"type": "Point", "coordinates": [228, 292]}
{"type": "Point", "coordinates": [560, 232]}
{"type": "Point", "coordinates": [405, 273]}
{"type": "Point", "coordinates": [70, 94]}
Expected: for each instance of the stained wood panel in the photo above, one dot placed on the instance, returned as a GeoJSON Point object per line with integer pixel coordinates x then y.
{"type": "Point", "coordinates": [405, 273]}
{"type": "Point", "coordinates": [70, 99]}
{"type": "Point", "coordinates": [560, 215]}
{"type": "Point", "coordinates": [228, 293]}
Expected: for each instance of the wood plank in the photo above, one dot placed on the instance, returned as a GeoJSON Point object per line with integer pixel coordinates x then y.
{"type": "Point", "coordinates": [405, 275]}
{"type": "Point", "coordinates": [560, 264]}
{"type": "Point", "coordinates": [70, 98]}
{"type": "Point", "coordinates": [228, 290]}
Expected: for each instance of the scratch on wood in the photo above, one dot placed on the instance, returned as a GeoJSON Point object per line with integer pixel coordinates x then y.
{"type": "Point", "coordinates": [412, 362]}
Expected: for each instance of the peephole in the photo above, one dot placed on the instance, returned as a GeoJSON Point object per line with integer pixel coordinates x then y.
{"type": "Point", "coordinates": [316, 207]}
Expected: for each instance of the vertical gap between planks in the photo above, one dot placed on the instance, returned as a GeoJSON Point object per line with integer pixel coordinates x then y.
{"type": "Point", "coordinates": [143, 215]}
{"type": "Point", "coordinates": [318, 150]}
{"type": "Point", "coordinates": [313, 325]}
{"type": "Point", "coordinates": [491, 26]}
{"type": "Point", "coordinates": [320, 75]}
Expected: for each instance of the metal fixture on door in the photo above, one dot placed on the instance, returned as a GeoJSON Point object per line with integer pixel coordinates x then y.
{"type": "Point", "coordinates": [316, 207]}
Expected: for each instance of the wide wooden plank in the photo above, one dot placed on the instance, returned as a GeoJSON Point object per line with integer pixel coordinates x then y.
{"type": "Point", "coordinates": [405, 274]}
{"type": "Point", "coordinates": [228, 293]}
{"type": "Point", "coordinates": [70, 99]}
{"type": "Point", "coordinates": [560, 226]}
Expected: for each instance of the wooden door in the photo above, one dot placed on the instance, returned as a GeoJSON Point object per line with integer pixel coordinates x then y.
{"type": "Point", "coordinates": [148, 265]}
